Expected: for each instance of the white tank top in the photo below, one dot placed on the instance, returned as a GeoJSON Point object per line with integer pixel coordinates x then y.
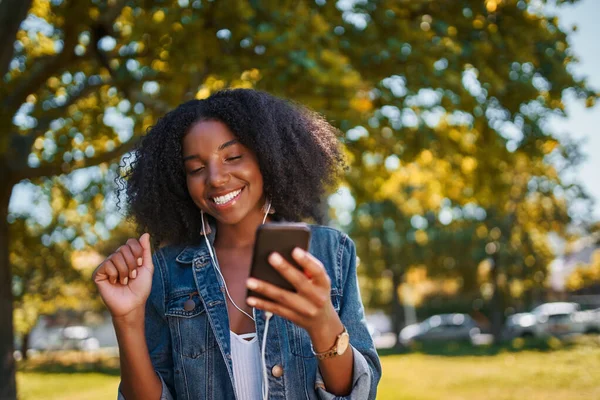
{"type": "Point", "coordinates": [247, 366]}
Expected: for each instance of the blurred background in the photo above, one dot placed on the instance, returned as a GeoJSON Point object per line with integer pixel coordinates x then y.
{"type": "Point", "coordinates": [470, 130]}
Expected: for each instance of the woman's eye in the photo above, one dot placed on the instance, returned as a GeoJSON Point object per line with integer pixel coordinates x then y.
{"type": "Point", "coordinates": [233, 158]}
{"type": "Point", "coordinates": [196, 170]}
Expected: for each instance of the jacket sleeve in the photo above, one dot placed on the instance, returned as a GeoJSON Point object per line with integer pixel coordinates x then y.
{"type": "Point", "coordinates": [158, 336]}
{"type": "Point", "coordinates": [367, 367]}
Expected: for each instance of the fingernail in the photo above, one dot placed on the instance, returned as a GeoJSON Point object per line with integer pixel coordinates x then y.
{"type": "Point", "coordinates": [252, 284]}
{"type": "Point", "coordinates": [139, 261]}
{"type": "Point", "coordinates": [125, 281]}
{"type": "Point", "coordinates": [134, 274]}
{"type": "Point", "coordinates": [251, 301]}
{"type": "Point", "coordinates": [298, 253]}
{"type": "Point", "coordinates": [276, 259]}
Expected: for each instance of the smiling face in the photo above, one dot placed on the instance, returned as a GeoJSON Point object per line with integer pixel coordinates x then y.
{"type": "Point", "coordinates": [223, 176]}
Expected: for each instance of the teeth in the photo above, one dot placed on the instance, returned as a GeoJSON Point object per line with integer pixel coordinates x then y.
{"type": "Point", "coordinates": [224, 199]}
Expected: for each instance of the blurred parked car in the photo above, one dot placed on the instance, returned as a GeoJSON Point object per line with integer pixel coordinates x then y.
{"type": "Point", "coordinates": [442, 327]}
{"type": "Point", "coordinates": [520, 325]}
{"type": "Point", "coordinates": [556, 319]}
{"type": "Point", "coordinates": [78, 338]}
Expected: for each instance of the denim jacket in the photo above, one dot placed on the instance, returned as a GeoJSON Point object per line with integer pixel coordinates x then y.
{"type": "Point", "coordinates": [190, 348]}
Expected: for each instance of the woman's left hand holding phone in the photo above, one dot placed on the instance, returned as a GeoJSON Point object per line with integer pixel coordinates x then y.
{"type": "Point", "coordinates": [310, 307]}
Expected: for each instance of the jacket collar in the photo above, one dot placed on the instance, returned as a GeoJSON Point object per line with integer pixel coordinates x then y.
{"type": "Point", "coordinates": [199, 249]}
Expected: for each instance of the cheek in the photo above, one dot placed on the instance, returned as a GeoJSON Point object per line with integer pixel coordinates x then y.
{"type": "Point", "coordinates": [195, 189]}
{"type": "Point", "coordinates": [257, 177]}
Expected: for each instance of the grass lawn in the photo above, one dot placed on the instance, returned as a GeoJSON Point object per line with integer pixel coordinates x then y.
{"type": "Point", "coordinates": [66, 386]}
{"type": "Point", "coordinates": [494, 374]}
{"type": "Point", "coordinates": [567, 374]}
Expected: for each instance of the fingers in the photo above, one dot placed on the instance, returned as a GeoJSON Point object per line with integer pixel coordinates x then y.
{"type": "Point", "coordinates": [312, 266]}
{"type": "Point", "coordinates": [106, 271]}
{"type": "Point", "coordinates": [314, 275]}
{"type": "Point", "coordinates": [284, 298]}
{"type": "Point", "coordinates": [146, 251]}
{"type": "Point", "coordinates": [289, 272]}
{"type": "Point", "coordinates": [275, 308]}
{"type": "Point", "coordinates": [137, 251]}
{"type": "Point", "coordinates": [130, 259]}
{"type": "Point", "coordinates": [118, 261]}
{"type": "Point", "coordinates": [121, 266]}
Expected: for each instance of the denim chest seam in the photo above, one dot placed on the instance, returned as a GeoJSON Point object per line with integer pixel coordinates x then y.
{"type": "Point", "coordinates": [164, 276]}
{"type": "Point", "coordinates": [338, 266]}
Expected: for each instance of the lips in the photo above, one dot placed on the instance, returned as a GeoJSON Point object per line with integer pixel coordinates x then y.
{"type": "Point", "coordinates": [227, 198]}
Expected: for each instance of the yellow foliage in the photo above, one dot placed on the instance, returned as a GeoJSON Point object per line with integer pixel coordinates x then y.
{"type": "Point", "coordinates": [40, 8]}
{"type": "Point", "coordinates": [361, 104]}
{"type": "Point", "coordinates": [491, 5]}
{"type": "Point", "coordinates": [478, 23]}
{"type": "Point", "coordinates": [421, 237]}
{"type": "Point", "coordinates": [468, 164]}
{"type": "Point", "coordinates": [158, 16]}
{"type": "Point", "coordinates": [94, 13]}
{"type": "Point", "coordinates": [251, 75]}
{"type": "Point", "coordinates": [203, 93]}
{"type": "Point", "coordinates": [483, 271]}
{"type": "Point", "coordinates": [416, 275]}
{"type": "Point", "coordinates": [426, 157]}
{"type": "Point", "coordinates": [585, 275]}
{"type": "Point", "coordinates": [319, 25]}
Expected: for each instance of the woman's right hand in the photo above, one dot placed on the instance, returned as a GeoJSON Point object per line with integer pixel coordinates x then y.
{"type": "Point", "coordinates": [124, 278]}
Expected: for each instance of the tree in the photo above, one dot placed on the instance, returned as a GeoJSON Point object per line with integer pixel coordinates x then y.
{"type": "Point", "coordinates": [83, 80]}
{"type": "Point", "coordinates": [459, 122]}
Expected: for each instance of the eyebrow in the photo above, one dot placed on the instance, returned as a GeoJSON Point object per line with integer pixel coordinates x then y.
{"type": "Point", "coordinates": [221, 147]}
{"type": "Point", "coordinates": [227, 144]}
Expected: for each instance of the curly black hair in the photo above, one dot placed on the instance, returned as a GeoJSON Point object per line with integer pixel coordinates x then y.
{"type": "Point", "coordinates": [297, 149]}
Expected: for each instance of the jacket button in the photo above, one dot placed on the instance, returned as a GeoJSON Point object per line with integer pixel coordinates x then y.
{"type": "Point", "coordinates": [277, 370]}
{"type": "Point", "coordinates": [189, 305]}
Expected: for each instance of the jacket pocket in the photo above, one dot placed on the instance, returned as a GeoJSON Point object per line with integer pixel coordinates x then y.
{"type": "Point", "coordinates": [300, 343]}
{"type": "Point", "coordinates": [190, 328]}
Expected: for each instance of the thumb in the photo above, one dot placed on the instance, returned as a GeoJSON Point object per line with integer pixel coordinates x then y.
{"type": "Point", "coordinates": [146, 251]}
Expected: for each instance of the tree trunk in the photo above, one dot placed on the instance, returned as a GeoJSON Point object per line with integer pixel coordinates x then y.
{"type": "Point", "coordinates": [497, 303]}
{"type": "Point", "coordinates": [25, 345]}
{"type": "Point", "coordinates": [8, 389]}
{"type": "Point", "coordinates": [397, 309]}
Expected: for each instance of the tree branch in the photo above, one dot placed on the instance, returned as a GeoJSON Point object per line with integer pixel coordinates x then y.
{"type": "Point", "coordinates": [12, 14]}
{"type": "Point", "coordinates": [42, 69]}
{"type": "Point", "coordinates": [63, 168]}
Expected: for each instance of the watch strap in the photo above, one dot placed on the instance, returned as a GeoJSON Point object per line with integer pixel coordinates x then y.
{"type": "Point", "coordinates": [332, 352]}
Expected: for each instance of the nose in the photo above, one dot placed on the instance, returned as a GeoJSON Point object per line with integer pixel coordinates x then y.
{"type": "Point", "coordinates": [218, 176]}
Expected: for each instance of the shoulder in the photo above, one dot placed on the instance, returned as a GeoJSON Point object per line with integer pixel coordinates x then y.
{"type": "Point", "coordinates": [322, 232]}
{"type": "Point", "coordinates": [330, 238]}
{"type": "Point", "coordinates": [334, 249]}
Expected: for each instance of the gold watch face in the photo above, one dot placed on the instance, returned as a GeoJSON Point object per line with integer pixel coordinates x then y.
{"type": "Point", "coordinates": [342, 343]}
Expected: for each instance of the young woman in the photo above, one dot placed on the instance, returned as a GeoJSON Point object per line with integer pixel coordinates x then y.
{"type": "Point", "coordinates": [201, 182]}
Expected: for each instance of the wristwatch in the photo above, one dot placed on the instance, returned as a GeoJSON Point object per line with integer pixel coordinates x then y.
{"type": "Point", "coordinates": [339, 347]}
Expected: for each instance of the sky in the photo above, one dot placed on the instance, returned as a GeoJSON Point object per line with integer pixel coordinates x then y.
{"type": "Point", "coordinates": [584, 123]}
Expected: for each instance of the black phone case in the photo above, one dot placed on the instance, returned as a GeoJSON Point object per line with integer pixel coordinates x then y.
{"type": "Point", "coordinates": [281, 238]}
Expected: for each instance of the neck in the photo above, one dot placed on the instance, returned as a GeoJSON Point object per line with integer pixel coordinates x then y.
{"type": "Point", "coordinates": [242, 234]}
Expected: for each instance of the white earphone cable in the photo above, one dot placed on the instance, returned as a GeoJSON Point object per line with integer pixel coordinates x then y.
{"type": "Point", "coordinates": [265, 388]}
{"type": "Point", "coordinates": [268, 314]}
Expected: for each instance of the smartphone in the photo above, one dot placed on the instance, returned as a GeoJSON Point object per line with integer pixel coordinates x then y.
{"type": "Point", "coordinates": [281, 238]}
